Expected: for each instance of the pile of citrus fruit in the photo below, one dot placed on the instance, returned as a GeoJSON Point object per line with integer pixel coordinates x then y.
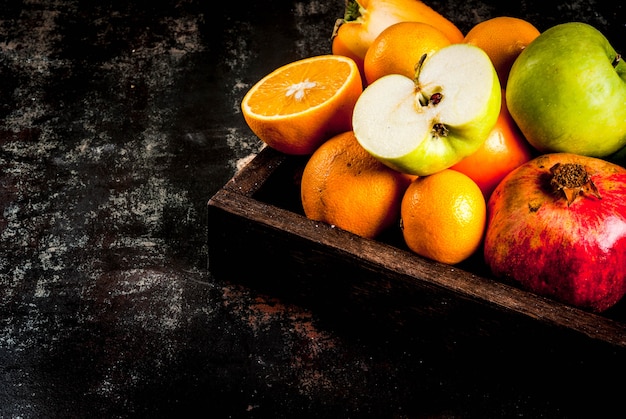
{"type": "Point", "coordinates": [305, 108]}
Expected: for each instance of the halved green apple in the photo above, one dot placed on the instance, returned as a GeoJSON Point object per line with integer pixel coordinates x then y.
{"type": "Point", "coordinates": [423, 125]}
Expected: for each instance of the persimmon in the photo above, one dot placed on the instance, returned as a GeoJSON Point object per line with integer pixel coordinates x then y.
{"type": "Point", "coordinates": [364, 20]}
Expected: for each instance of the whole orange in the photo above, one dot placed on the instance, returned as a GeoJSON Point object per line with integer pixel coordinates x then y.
{"type": "Point", "coordinates": [443, 216]}
{"type": "Point", "coordinates": [301, 104]}
{"type": "Point", "coordinates": [364, 20]}
{"type": "Point", "coordinates": [503, 38]}
{"type": "Point", "coordinates": [504, 149]}
{"type": "Point", "coordinates": [399, 48]}
{"type": "Point", "coordinates": [343, 185]}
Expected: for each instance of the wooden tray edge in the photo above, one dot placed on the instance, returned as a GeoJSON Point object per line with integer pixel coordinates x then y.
{"type": "Point", "coordinates": [236, 198]}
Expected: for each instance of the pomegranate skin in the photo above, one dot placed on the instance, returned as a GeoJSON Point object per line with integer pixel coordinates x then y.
{"type": "Point", "coordinates": [572, 253]}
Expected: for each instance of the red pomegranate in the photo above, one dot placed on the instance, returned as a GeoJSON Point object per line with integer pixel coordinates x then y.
{"type": "Point", "coordinates": [557, 225]}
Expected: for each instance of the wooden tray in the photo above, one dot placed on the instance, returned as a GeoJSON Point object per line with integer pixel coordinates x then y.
{"type": "Point", "coordinates": [258, 236]}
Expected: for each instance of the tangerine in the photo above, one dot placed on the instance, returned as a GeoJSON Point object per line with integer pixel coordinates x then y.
{"type": "Point", "coordinates": [399, 48]}
{"type": "Point", "coordinates": [504, 149]}
{"type": "Point", "coordinates": [364, 20]}
{"type": "Point", "coordinates": [343, 185]}
{"type": "Point", "coordinates": [298, 106]}
{"type": "Point", "coordinates": [443, 216]}
{"type": "Point", "coordinates": [503, 38]}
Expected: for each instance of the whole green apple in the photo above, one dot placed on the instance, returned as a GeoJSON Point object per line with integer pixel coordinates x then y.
{"type": "Point", "coordinates": [423, 125]}
{"type": "Point", "coordinates": [567, 92]}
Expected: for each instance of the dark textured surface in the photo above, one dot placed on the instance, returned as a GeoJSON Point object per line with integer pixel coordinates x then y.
{"type": "Point", "coordinates": [118, 121]}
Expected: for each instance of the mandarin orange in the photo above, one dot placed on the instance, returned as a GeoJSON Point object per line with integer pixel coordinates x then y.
{"type": "Point", "coordinates": [344, 186]}
{"type": "Point", "coordinates": [399, 48]}
{"type": "Point", "coordinates": [443, 216]}
{"type": "Point", "coordinates": [300, 105]}
{"type": "Point", "coordinates": [364, 20]}
{"type": "Point", "coordinates": [503, 38]}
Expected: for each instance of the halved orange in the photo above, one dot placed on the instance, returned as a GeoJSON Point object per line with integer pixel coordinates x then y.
{"type": "Point", "coordinates": [298, 106]}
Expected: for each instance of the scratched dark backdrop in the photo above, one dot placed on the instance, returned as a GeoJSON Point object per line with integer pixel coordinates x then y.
{"type": "Point", "coordinates": [118, 121]}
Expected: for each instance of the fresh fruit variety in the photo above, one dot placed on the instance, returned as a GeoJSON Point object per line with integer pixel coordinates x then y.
{"type": "Point", "coordinates": [504, 149]}
{"type": "Point", "coordinates": [299, 105]}
{"type": "Point", "coordinates": [489, 141]}
{"type": "Point", "coordinates": [503, 38]}
{"type": "Point", "coordinates": [343, 185]}
{"type": "Point", "coordinates": [557, 225]}
{"type": "Point", "coordinates": [443, 216]}
{"type": "Point", "coordinates": [567, 92]}
{"type": "Point", "coordinates": [428, 123]}
{"type": "Point", "coordinates": [399, 49]}
{"type": "Point", "coordinates": [364, 20]}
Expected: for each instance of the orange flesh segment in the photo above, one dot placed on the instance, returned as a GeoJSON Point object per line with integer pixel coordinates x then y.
{"type": "Point", "coordinates": [318, 81]}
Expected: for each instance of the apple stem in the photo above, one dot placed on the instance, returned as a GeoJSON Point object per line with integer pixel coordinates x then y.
{"type": "Point", "coordinates": [616, 60]}
{"type": "Point", "coordinates": [418, 66]}
{"type": "Point", "coordinates": [423, 100]}
{"type": "Point", "coordinates": [572, 179]}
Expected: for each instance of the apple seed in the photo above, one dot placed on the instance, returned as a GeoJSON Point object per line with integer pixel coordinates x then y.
{"type": "Point", "coordinates": [435, 98]}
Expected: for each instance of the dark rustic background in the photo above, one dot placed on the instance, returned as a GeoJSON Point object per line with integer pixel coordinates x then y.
{"type": "Point", "coordinates": [118, 121]}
